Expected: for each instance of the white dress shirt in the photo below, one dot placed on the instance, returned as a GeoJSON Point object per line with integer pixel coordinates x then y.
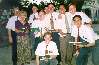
{"type": "Point", "coordinates": [40, 51]}
{"type": "Point", "coordinates": [32, 17]}
{"type": "Point", "coordinates": [61, 24]}
{"type": "Point", "coordinates": [11, 23]}
{"type": "Point", "coordinates": [42, 25]}
{"type": "Point", "coordinates": [54, 17]}
{"type": "Point", "coordinates": [85, 32]}
{"type": "Point", "coordinates": [70, 16]}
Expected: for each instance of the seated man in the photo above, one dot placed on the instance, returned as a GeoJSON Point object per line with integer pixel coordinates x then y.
{"type": "Point", "coordinates": [46, 51]}
{"type": "Point", "coordinates": [85, 35]}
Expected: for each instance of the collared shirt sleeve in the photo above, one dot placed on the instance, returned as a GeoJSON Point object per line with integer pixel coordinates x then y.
{"type": "Point", "coordinates": [53, 48]}
{"type": "Point", "coordinates": [88, 34]}
{"type": "Point", "coordinates": [40, 50]}
{"type": "Point", "coordinates": [85, 18]}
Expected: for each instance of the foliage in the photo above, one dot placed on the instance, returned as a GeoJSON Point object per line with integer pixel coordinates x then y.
{"type": "Point", "coordinates": [96, 22]}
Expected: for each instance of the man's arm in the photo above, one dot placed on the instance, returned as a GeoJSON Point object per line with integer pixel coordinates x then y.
{"type": "Point", "coordinates": [37, 60]}
{"type": "Point", "coordinates": [10, 36]}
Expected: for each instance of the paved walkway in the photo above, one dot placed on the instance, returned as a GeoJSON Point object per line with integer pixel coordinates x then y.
{"type": "Point", "coordinates": [5, 57]}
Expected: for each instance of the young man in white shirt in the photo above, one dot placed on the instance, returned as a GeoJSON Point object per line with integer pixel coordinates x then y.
{"type": "Point", "coordinates": [51, 19]}
{"type": "Point", "coordinates": [46, 51]}
{"type": "Point", "coordinates": [62, 26]}
{"type": "Point", "coordinates": [12, 34]}
{"type": "Point", "coordinates": [31, 20]}
{"type": "Point", "coordinates": [85, 35]}
{"type": "Point", "coordinates": [34, 14]}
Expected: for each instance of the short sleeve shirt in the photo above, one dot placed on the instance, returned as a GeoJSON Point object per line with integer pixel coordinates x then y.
{"type": "Point", "coordinates": [40, 51]}
{"type": "Point", "coordinates": [85, 32]}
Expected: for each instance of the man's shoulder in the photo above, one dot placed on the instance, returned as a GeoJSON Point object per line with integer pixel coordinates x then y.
{"type": "Point", "coordinates": [87, 28]}
{"type": "Point", "coordinates": [52, 42]}
{"type": "Point", "coordinates": [79, 13]}
{"type": "Point", "coordinates": [13, 17]}
{"type": "Point", "coordinates": [31, 15]}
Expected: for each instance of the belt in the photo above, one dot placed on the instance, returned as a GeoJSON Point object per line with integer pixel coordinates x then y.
{"type": "Point", "coordinates": [68, 33]}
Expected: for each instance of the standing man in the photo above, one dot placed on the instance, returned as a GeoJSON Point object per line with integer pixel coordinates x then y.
{"type": "Point", "coordinates": [34, 14]}
{"type": "Point", "coordinates": [62, 26]}
{"type": "Point", "coordinates": [65, 37]}
{"type": "Point", "coordinates": [32, 18]}
{"type": "Point", "coordinates": [52, 16]}
{"type": "Point", "coordinates": [84, 34]}
{"type": "Point", "coordinates": [12, 34]}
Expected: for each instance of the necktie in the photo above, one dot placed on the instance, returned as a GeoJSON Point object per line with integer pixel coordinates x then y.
{"type": "Point", "coordinates": [67, 24]}
{"type": "Point", "coordinates": [78, 40]}
{"type": "Point", "coordinates": [78, 37]}
{"type": "Point", "coordinates": [47, 56]}
{"type": "Point", "coordinates": [34, 17]}
{"type": "Point", "coordinates": [51, 22]}
{"type": "Point", "coordinates": [46, 51]}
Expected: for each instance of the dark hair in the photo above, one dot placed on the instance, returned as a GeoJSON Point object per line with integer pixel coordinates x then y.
{"type": "Point", "coordinates": [34, 4]}
{"type": "Point", "coordinates": [51, 4]}
{"type": "Point", "coordinates": [77, 16]}
{"type": "Point", "coordinates": [72, 4]}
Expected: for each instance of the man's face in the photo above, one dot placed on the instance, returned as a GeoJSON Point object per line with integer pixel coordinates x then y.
{"type": "Point", "coordinates": [47, 38]}
{"type": "Point", "coordinates": [51, 8]}
{"type": "Point", "coordinates": [62, 9]}
{"type": "Point", "coordinates": [46, 10]}
{"type": "Point", "coordinates": [41, 13]}
{"type": "Point", "coordinates": [72, 9]}
{"type": "Point", "coordinates": [77, 21]}
{"type": "Point", "coordinates": [34, 9]}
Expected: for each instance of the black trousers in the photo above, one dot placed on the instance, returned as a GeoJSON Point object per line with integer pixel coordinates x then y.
{"type": "Point", "coordinates": [55, 38]}
{"type": "Point", "coordinates": [14, 47]}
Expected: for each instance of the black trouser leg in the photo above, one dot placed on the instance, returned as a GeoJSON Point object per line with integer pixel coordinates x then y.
{"type": "Point", "coordinates": [14, 48]}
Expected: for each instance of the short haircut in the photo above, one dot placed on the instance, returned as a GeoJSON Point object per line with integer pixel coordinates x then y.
{"type": "Point", "coordinates": [47, 33]}
{"type": "Point", "coordinates": [50, 4]}
{"type": "Point", "coordinates": [77, 16]}
{"type": "Point", "coordinates": [72, 4]}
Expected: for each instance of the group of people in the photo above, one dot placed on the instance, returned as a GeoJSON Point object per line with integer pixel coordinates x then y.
{"type": "Point", "coordinates": [48, 34]}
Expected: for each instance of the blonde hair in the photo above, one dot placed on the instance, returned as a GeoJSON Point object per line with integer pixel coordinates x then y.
{"type": "Point", "coordinates": [23, 13]}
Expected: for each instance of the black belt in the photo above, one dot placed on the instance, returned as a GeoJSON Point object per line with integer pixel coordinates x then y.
{"type": "Point", "coordinates": [68, 33]}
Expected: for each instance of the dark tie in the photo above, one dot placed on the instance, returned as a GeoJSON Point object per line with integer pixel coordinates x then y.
{"type": "Point", "coordinates": [46, 53]}
{"type": "Point", "coordinates": [51, 22]}
{"type": "Point", "coordinates": [78, 37]}
{"type": "Point", "coordinates": [67, 24]}
{"type": "Point", "coordinates": [34, 17]}
{"type": "Point", "coordinates": [78, 40]}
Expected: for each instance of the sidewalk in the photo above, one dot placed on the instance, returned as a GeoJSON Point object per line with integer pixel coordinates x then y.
{"type": "Point", "coordinates": [5, 57]}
